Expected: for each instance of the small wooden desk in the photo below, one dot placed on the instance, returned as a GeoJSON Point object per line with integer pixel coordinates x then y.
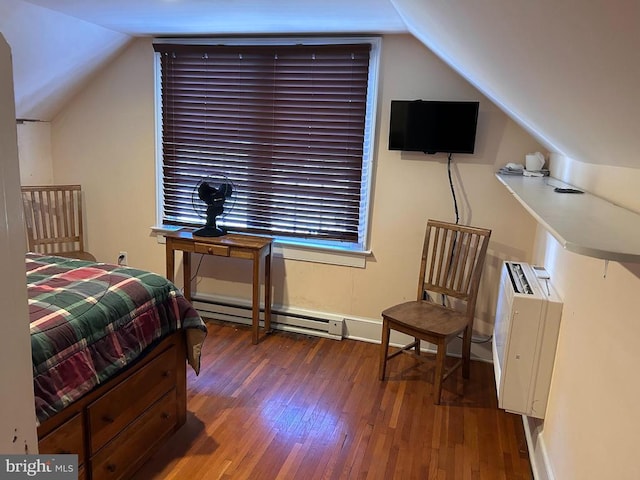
{"type": "Point", "coordinates": [232, 245]}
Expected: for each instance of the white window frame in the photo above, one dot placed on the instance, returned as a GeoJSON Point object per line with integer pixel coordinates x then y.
{"type": "Point", "coordinates": [320, 251]}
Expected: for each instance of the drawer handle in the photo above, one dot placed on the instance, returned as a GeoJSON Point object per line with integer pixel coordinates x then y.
{"type": "Point", "coordinates": [107, 419]}
{"type": "Point", "coordinates": [111, 467]}
{"type": "Point", "coordinates": [166, 373]}
{"type": "Point", "coordinates": [165, 416]}
{"type": "Point", "coordinates": [210, 250]}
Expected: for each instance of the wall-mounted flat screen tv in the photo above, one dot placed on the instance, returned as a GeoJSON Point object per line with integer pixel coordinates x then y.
{"type": "Point", "coordinates": [431, 126]}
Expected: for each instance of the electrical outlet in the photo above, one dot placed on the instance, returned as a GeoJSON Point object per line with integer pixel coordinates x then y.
{"type": "Point", "coordinates": [123, 258]}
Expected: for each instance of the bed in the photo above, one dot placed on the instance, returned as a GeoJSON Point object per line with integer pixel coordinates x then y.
{"type": "Point", "coordinates": [110, 346]}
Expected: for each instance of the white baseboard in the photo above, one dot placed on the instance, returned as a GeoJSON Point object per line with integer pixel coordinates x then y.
{"type": "Point", "coordinates": [540, 465]}
{"type": "Point", "coordinates": [311, 322]}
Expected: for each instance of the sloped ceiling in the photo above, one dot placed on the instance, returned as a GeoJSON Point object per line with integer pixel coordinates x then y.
{"type": "Point", "coordinates": [181, 17]}
{"type": "Point", "coordinates": [566, 71]}
{"type": "Point", "coordinates": [58, 44]}
{"type": "Point", "coordinates": [53, 55]}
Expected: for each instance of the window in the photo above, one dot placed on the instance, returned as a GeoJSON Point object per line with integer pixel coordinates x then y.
{"type": "Point", "coordinates": [288, 124]}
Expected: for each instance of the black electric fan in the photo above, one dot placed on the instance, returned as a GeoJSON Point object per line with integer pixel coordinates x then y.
{"type": "Point", "coordinates": [214, 198]}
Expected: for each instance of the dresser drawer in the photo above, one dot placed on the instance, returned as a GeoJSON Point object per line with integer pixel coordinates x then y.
{"type": "Point", "coordinates": [210, 249]}
{"type": "Point", "coordinates": [116, 409]}
{"type": "Point", "coordinates": [120, 458]}
{"type": "Point", "coordinates": [67, 438]}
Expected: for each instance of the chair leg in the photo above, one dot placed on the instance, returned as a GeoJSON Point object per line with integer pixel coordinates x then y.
{"type": "Point", "coordinates": [466, 352]}
{"type": "Point", "coordinates": [441, 354]}
{"type": "Point", "coordinates": [417, 347]}
{"type": "Point", "coordinates": [384, 347]}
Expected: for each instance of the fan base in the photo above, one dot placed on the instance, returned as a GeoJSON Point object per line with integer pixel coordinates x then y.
{"type": "Point", "coordinates": [209, 232]}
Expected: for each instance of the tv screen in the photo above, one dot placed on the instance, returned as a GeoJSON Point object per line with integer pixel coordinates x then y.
{"type": "Point", "coordinates": [433, 126]}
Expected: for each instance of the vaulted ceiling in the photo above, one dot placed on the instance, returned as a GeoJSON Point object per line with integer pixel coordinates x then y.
{"type": "Point", "coordinates": [566, 71]}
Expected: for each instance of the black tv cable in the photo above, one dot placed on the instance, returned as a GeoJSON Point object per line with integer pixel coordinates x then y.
{"type": "Point", "coordinates": [453, 192]}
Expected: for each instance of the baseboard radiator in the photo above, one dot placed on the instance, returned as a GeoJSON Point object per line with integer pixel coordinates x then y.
{"type": "Point", "coordinates": [284, 318]}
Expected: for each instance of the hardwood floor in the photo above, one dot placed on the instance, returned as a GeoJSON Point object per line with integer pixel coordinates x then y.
{"type": "Point", "coordinates": [300, 407]}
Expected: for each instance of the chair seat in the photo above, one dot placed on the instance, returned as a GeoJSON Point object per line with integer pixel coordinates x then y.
{"type": "Point", "coordinates": [436, 319]}
{"type": "Point", "coordinates": [78, 255]}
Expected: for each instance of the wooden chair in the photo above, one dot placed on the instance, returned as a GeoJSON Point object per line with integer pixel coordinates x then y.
{"type": "Point", "coordinates": [53, 220]}
{"type": "Point", "coordinates": [452, 260]}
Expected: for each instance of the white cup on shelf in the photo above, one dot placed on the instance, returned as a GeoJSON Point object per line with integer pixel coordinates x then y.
{"type": "Point", "coordinates": [534, 161]}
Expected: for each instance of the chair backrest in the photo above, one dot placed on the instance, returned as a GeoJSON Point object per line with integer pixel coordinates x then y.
{"type": "Point", "coordinates": [452, 261]}
{"type": "Point", "coordinates": [53, 218]}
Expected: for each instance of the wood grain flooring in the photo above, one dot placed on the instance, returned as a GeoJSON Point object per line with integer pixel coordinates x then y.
{"type": "Point", "coordinates": [300, 407]}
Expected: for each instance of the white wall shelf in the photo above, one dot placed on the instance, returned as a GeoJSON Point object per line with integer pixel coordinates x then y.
{"type": "Point", "coordinates": [582, 223]}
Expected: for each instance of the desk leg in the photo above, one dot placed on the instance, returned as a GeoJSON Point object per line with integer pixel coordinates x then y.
{"type": "Point", "coordinates": [255, 299]}
{"type": "Point", "coordinates": [267, 291]}
{"type": "Point", "coordinates": [170, 262]}
{"type": "Point", "coordinates": [186, 268]}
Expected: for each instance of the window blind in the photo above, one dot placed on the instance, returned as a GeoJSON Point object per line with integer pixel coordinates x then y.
{"type": "Point", "coordinates": [284, 124]}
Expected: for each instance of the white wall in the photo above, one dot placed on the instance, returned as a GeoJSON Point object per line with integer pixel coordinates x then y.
{"type": "Point", "coordinates": [34, 152]}
{"type": "Point", "coordinates": [17, 415]}
{"type": "Point", "coordinates": [592, 419]}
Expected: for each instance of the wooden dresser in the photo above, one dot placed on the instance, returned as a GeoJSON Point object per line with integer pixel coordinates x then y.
{"type": "Point", "coordinates": [119, 425]}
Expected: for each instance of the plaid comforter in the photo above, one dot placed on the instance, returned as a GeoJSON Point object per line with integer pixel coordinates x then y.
{"type": "Point", "coordinates": [89, 320]}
